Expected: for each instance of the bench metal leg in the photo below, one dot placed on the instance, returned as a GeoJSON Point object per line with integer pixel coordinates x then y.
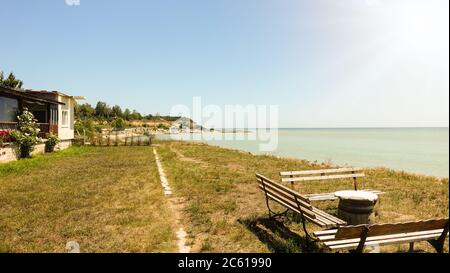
{"type": "Point", "coordinates": [273, 214]}
{"type": "Point", "coordinates": [438, 246]}
{"type": "Point", "coordinates": [308, 237]}
{"type": "Point", "coordinates": [439, 243]}
{"type": "Point", "coordinates": [362, 241]}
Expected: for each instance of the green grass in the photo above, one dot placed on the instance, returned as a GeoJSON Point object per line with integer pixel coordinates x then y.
{"type": "Point", "coordinates": [109, 199]}
{"type": "Point", "coordinates": [38, 161]}
{"type": "Point", "coordinates": [106, 199]}
{"type": "Point", "coordinates": [226, 212]}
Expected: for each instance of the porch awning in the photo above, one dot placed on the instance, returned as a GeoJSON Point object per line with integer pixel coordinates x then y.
{"type": "Point", "coordinates": [22, 94]}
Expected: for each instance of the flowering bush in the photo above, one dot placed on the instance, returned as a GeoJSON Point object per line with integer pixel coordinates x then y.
{"type": "Point", "coordinates": [26, 136]}
{"type": "Point", "coordinates": [52, 141]}
{"type": "Point", "coordinates": [5, 136]}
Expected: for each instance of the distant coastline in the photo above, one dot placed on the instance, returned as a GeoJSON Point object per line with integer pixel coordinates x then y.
{"type": "Point", "coordinates": [417, 150]}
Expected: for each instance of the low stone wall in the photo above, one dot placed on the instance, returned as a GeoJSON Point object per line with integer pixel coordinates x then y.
{"type": "Point", "coordinates": [9, 152]}
{"type": "Point", "coordinates": [63, 144]}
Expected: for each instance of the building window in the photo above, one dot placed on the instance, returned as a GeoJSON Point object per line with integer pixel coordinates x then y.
{"type": "Point", "coordinates": [8, 109]}
{"type": "Point", "coordinates": [65, 118]}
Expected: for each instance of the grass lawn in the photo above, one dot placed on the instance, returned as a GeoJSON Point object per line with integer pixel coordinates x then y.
{"type": "Point", "coordinates": [226, 212]}
{"type": "Point", "coordinates": [111, 200]}
{"type": "Point", "coordinates": [106, 199]}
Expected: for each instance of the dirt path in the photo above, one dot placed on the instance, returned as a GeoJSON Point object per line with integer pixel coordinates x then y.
{"type": "Point", "coordinates": [184, 158]}
{"type": "Point", "coordinates": [175, 205]}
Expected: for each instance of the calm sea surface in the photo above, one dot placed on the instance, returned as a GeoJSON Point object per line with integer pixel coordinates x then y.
{"type": "Point", "coordinates": [417, 150]}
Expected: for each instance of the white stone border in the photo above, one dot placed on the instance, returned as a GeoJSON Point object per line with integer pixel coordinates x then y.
{"type": "Point", "coordinates": [181, 234]}
{"type": "Point", "coordinates": [162, 175]}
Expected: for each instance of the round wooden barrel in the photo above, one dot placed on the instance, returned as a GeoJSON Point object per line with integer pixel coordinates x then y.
{"type": "Point", "coordinates": [356, 212]}
{"type": "Point", "coordinates": [355, 208]}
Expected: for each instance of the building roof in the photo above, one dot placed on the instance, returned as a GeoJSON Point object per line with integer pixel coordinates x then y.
{"type": "Point", "coordinates": [28, 95]}
{"type": "Point", "coordinates": [58, 93]}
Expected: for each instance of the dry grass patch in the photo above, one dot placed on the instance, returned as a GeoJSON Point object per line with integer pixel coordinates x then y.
{"type": "Point", "coordinates": [106, 199]}
{"type": "Point", "coordinates": [227, 212]}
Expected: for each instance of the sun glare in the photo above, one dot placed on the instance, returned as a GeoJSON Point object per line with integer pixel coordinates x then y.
{"type": "Point", "coordinates": [418, 26]}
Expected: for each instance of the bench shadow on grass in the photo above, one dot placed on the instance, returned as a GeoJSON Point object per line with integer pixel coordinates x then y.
{"type": "Point", "coordinates": [278, 237]}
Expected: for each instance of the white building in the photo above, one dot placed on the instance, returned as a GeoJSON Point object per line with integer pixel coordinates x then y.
{"type": "Point", "coordinates": [53, 110]}
{"type": "Point", "coordinates": [60, 117]}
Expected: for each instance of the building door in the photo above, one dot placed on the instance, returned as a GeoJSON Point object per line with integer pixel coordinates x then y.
{"type": "Point", "coordinates": [53, 119]}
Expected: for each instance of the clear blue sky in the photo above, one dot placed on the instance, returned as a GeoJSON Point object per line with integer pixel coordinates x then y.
{"type": "Point", "coordinates": [346, 63]}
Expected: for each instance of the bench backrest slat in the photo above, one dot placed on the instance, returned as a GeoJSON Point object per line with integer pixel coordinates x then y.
{"type": "Point", "coordinates": [326, 174]}
{"type": "Point", "coordinates": [285, 196]}
{"type": "Point", "coordinates": [324, 171]}
{"type": "Point", "coordinates": [289, 204]}
{"type": "Point", "coordinates": [351, 232]}
{"type": "Point", "coordinates": [265, 180]}
{"type": "Point", "coordinates": [328, 177]}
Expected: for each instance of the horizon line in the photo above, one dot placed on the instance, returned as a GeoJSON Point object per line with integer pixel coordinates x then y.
{"type": "Point", "coordinates": [376, 127]}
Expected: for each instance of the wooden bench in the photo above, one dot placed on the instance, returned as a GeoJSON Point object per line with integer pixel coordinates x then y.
{"type": "Point", "coordinates": [315, 175]}
{"type": "Point", "coordinates": [294, 201]}
{"type": "Point", "coordinates": [357, 237]}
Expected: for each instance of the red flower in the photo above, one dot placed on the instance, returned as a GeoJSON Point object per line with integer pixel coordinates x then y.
{"type": "Point", "coordinates": [5, 135]}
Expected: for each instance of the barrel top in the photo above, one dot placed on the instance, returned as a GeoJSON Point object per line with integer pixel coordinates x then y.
{"type": "Point", "coordinates": [356, 195]}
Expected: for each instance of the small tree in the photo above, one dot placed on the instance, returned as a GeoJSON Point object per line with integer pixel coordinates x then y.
{"type": "Point", "coordinates": [119, 124]}
{"type": "Point", "coordinates": [10, 81]}
{"type": "Point", "coordinates": [116, 111]}
{"type": "Point", "coordinates": [26, 135]}
{"type": "Point", "coordinates": [135, 115]}
{"type": "Point", "coordinates": [126, 114]}
{"type": "Point", "coordinates": [84, 111]}
{"type": "Point", "coordinates": [102, 110]}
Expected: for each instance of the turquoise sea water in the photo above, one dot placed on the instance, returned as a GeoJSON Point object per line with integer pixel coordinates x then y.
{"type": "Point", "coordinates": [416, 150]}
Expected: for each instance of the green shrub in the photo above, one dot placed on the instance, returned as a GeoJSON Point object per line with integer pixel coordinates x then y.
{"type": "Point", "coordinates": [119, 124]}
{"type": "Point", "coordinates": [98, 128]}
{"type": "Point", "coordinates": [84, 128]}
{"type": "Point", "coordinates": [26, 136]}
{"type": "Point", "coordinates": [50, 144]}
{"type": "Point", "coordinates": [162, 126]}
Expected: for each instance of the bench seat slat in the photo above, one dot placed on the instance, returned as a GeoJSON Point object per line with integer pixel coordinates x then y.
{"type": "Point", "coordinates": [324, 232]}
{"type": "Point", "coordinates": [331, 240]}
{"type": "Point", "coordinates": [349, 237]}
{"type": "Point", "coordinates": [351, 232]}
{"type": "Point", "coordinates": [329, 217]}
{"type": "Point", "coordinates": [328, 222]}
{"type": "Point", "coordinates": [388, 241]}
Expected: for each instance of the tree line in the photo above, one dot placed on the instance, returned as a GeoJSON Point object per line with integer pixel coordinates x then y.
{"type": "Point", "coordinates": [11, 81]}
{"type": "Point", "coordinates": [102, 111]}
